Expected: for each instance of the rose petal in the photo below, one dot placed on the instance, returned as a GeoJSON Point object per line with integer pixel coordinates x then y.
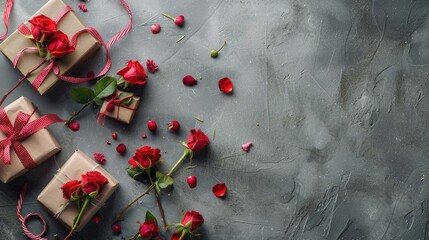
{"type": "Point", "coordinates": [116, 228]}
{"type": "Point", "coordinates": [96, 218]}
{"type": "Point", "coordinates": [188, 80]}
{"type": "Point", "coordinates": [246, 146]}
{"type": "Point", "coordinates": [114, 135]}
{"type": "Point", "coordinates": [192, 181]}
{"type": "Point", "coordinates": [121, 148]}
{"type": "Point", "coordinates": [82, 7]}
{"type": "Point", "coordinates": [225, 85]}
{"type": "Point", "coordinates": [144, 136]}
{"type": "Point", "coordinates": [219, 190]}
{"type": "Point", "coordinates": [107, 142]}
{"type": "Point", "coordinates": [155, 28]}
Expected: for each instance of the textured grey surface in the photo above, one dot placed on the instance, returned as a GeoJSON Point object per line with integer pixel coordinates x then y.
{"type": "Point", "coordinates": [339, 89]}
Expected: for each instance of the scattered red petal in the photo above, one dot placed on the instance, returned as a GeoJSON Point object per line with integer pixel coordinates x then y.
{"type": "Point", "coordinates": [179, 20]}
{"type": "Point", "coordinates": [173, 125]}
{"type": "Point", "coordinates": [151, 125]}
{"type": "Point", "coordinates": [144, 136]}
{"type": "Point", "coordinates": [107, 142]}
{"type": "Point", "coordinates": [121, 148]}
{"type": "Point", "coordinates": [82, 7]}
{"type": "Point", "coordinates": [74, 126]}
{"type": "Point", "coordinates": [90, 74]}
{"type": "Point", "coordinates": [114, 135]}
{"type": "Point", "coordinates": [116, 228]}
{"type": "Point", "coordinates": [219, 190]}
{"type": "Point", "coordinates": [96, 218]}
{"type": "Point", "coordinates": [99, 157]}
{"type": "Point", "coordinates": [192, 181]}
{"type": "Point", "coordinates": [246, 146]}
{"type": "Point", "coordinates": [188, 80]}
{"type": "Point", "coordinates": [151, 66]}
{"type": "Point", "coordinates": [225, 85]}
{"type": "Point", "coordinates": [155, 28]}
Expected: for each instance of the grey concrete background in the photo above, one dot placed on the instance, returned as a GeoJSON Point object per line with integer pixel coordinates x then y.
{"type": "Point", "coordinates": [339, 89]}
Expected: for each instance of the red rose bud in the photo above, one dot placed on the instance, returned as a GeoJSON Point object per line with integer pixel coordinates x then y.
{"type": "Point", "coordinates": [121, 148]}
{"type": "Point", "coordinates": [71, 189]}
{"type": "Point", "coordinates": [192, 181]}
{"type": "Point", "coordinates": [59, 45]}
{"type": "Point", "coordinates": [114, 135]}
{"type": "Point", "coordinates": [151, 125]}
{"type": "Point", "coordinates": [74, 126]}
{"type": "Point", "coordinates": [225, 85]}
{"type": "Point", "coordinates": [173, 126]}
{"type": "Point", "coordinates": [192, 220]}
{"type": "Point", "coordinates": [133, 73]}
{"type": "Point", "coordinates": [219, 190]}
{"type": "Point", "coordinates": [96, 218]}
{"type": "Point", "coordinates": [149, 229]}
{"type": "Point", "coordinates": [146, 157]}
{"type": "Point", "coordinates": [197, 140]}
{"type": "Point", "coordinates": [179, 20]}
{"type": "Point", "coordinates": [188, 80]}
{"type": "Point", "coordinates": [151, 66]}
{"type": "Point", "coordinates": [110, 107]}
{"type": "Point", "coordinates": [155, 28]}
{"type": "Point", "coordinates": [116, 228]}
{"type": "Point", "coordinates": [42, 28]}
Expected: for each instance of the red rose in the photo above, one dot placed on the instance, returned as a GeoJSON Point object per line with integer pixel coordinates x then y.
{"type": "Point", "coordinates": [72, 189]}
{"type": "Point", "coordinates": [149, 229]}
{"type": "Point", "coordinates": [146, 156]}
{"type": "Point", "coordinates": [43, 28]}
{"type": "Point", "coordinates": [197, 140]}
{"type": "Point", "coordinates": [93, 181]}
{"type": "Point", "coordinates": [192, 220]}
{"type": "Point", "coordinates": [133, 73]}
{"type": "Point", "coordinates": [91, 187]}
{"type": "Point", "coordinates": [59, 45]}
{"type": "Point", "coordinates": [176, 236]}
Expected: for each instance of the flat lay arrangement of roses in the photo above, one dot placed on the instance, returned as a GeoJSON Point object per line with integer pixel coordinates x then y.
{"type": "Point", "coordinates": [81, 185]}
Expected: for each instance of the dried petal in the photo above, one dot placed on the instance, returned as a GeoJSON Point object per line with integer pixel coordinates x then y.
{"type": "Point", "coordinates": [99, 157]}
{"type": "Point", "coordinates": [188, 80]}
{"type": "Point", "coordinates": [155, 28]}
{"type": "Point", "coordinates": [74, 126]}
{"type": "Point", "coordinates": [96, 218]}
{"type": "Point", "coordinates": [151, 66]}
{"type": "Point", "coordinates": [82, 7]}
{"type": "Point", "coordinates": [219, 190]}
{"type": "Point", "coordinates": [192, 181]}
{"type": "Point", "coordinates": [121, 148]}
{"type": "Point", "coordinates": [246, 146]}
{"type": "Point", "coordinates": [151, 125]}
{"type": "Point", "coordinates": [225, 85]}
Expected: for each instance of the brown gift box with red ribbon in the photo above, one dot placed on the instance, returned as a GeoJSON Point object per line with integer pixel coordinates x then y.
{"type": "Point", "coordinates": [121, 112]}
{"type": "Point", "coordinates": [52, 196]}
{"type": "Point", "coordinates": [40, 145]}
{"type": "Point", "coordinates": [69, 24]}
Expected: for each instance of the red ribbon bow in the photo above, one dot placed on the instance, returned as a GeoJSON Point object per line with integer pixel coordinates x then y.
{"type": "Point", "coordinates": [116, 101]}
{"type": "Point", "coordinates": [20, 130]}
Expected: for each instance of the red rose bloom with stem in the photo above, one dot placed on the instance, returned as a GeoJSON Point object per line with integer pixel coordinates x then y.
{"type": "Point", "coordinates": [59, 45]}
{"type": "Point", "coordinates": [191, 221]}
{"type": "Point", "coordinates": [145, 157]}
{"type": "Point", "coordinates": [42, 28]}
{"type": "Point", "coordinates": [149, 229]}
{"type": "Point", "coordinates": [132, 74]}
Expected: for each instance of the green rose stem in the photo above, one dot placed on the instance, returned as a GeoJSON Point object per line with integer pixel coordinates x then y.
{"type": "Point", "coordinates": [77, 113]}
{"type": "Point", "coordinates": [158, 201]}
{"type": "Point", "coordinates": [215, 53]}
{"type": "Point", "coordinates": [77, 219]}
{"type": "Point", "coordinates": [152, 186]}
{"type": "Point", "coordinates": [20, 81]}
{"type": "Point", "coordinates": [136, 236]}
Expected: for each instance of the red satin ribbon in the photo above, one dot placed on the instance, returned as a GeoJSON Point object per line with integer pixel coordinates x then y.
{"type": "Point", "coordinates": [115, 100]}
{"type": "Point", "coordinates": [20, 130]}
{"type": "Point", "coordinates": [52, 66]}
{"type": "Point", "coordinates": [6, 15]}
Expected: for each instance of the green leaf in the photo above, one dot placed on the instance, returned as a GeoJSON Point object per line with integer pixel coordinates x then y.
{"type": "Point", "coordinates": [165, 181]}
{"type": "Point", "coordinates": [82, 95]}
{"type": "Point", "coordinates": [149, 216]}
{"type": "Point", "coordinates": [159, 175]}
{"type": "Point", "coordinates": [127, 101]}
{"type": "Point", "coordinates": [134, 172]}
{"type": "Point", "coordinates": [105, 87]}
{"type": "Point", "coordinates": [98, 101]}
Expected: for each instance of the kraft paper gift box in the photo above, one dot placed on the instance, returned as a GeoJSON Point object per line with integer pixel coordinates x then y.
{"type": "Point", "coordinates": [69, 24]}
{"type": "Point", "coordinates": [64, 210]}
{"type": "Point", "coordinates": [41, 145]}
{"type": "Point", "coordinates": [122, 113]}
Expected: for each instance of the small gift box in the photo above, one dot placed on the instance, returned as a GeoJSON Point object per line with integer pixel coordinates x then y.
{"type": "Point", "coordinates": [69, 24]}
{"type": "Point", "coordinates": [40, 144]}
{"type": "Point", "coordinates": [121, 106]}
{"type": "Point", "coordinates": [64, 210]}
